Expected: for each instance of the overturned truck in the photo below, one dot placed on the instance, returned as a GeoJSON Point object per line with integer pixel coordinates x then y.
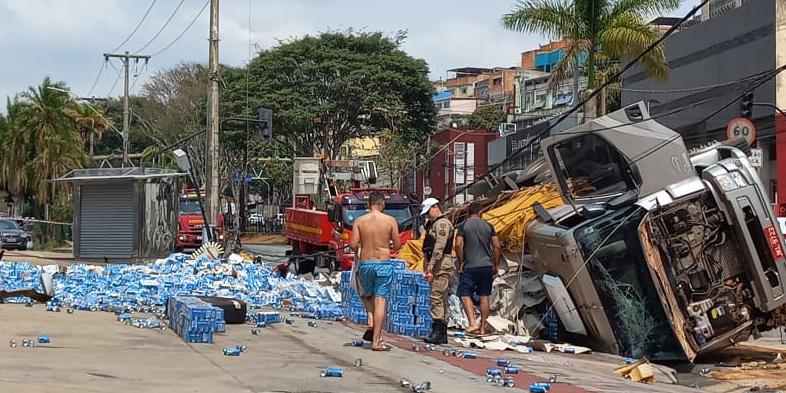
{"type": "Point", "coordinates": [657, 251]}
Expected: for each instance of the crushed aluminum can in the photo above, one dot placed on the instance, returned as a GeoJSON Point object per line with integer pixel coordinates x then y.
{"type": "Point", "coordinates": [255, 332]}
{"type": "Point", "coordinates": [289, 321]}
{"type": "Point", "coordinates": [431, 347]}
{"type": "Point", "coordinates": [231, 352]}
{"type": "Point", "coordinates": [629, 360]}
{"type": "Point", "coordinates": [553, 378]}
{"type": "Point", "coordinates": [509, 382]}
{"type": "Point", "coordinates": [356, 343]}
{"type": "Point", "coordinates": [511, 370]}
{"type": "Point", "coordinates": [44, 339]}
{"type": "Point", "coordinates": [705, 371]}
{"type": "Point", "coordinates": [12, 343]}
{"type": "Point", "coordinates": [69, 310]}
{"type": "Point", "coordinates": [332, 372]}
{"type": "Point", "coordinates": [446, 352]}
{"type": "Point", "coordinates": [416, 347]}
{"type": "Point", "coordinates": [422, 387]}
{"type": "Point", "coordinates": [312, 323]}
{"type": "Point", "coordinates": [261, 324]}
{"type": "Point", "coordinates": [503, 362]}
{"type": "Point", "coordinates": [493, 372]}
{"type": "Point", "coordinates": [468, 355]}
{"type": "Point", "coordinates": [358, 362]}
{"type": "Point", "coordinates": [241, 348]}
{"type": "Point", "coordinates": [404, 383]}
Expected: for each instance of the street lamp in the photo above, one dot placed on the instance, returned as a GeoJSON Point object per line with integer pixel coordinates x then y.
{"type": "Point", "coordinates": [184, 163]}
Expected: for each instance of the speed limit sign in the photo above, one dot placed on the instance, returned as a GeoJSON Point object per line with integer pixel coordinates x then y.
{"type": "Point", "coordinates": [741, 127]}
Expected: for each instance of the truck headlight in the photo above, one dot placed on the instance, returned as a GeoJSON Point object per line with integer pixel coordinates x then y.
{"type": "Point", "coordinates": [727, 183]}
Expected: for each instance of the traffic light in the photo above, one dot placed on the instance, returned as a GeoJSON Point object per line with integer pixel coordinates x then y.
{"type": "Point", "coordinates": [265, 123]}
{"type": "Point", "coordinates": [746, 105]}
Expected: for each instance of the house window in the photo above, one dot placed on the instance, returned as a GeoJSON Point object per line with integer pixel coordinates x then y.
{"type": "Point", "coordinates": [463, 90]}
{"type": "Point", "coordinates": [497, 81]}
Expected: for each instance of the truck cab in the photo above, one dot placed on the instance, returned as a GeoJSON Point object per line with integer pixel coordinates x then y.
{"type": "Point", "coordinates": [190, 222]}
{"type": "Point", "coordinates": [657, 251]}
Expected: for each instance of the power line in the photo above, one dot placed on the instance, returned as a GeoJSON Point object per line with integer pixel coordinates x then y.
{"type": "Point", "coordinates": [139, 24]}
{"type": "Point", "coordinates": [162, 27]}
{"type": "Point", "coordinates": [95, 82]}
{"type": "Point", "coordinates": [119, 75]}
{"type": "Point", "coordinates": [184, 31]}
{"type": "Point", "coordinates": [685, 90]}
{"type": "Point", "coordinates": [611, 80]}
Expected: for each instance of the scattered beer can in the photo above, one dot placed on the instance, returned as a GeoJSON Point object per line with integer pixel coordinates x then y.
{"type": "Point", "coordinates": [241, 348]}
{"type": "Point", "coordinates": [356, 343]}
{"type": "Point", "coordinates": [493, 372]}
{"type": "Point", "coordinates": [404, 383]}
{"type": "Point", "coordinates": [431, 347]}
{"type": "Point", "coordinates": [289, 321]}
{"type": "Point", "coordinates": [511, 370]}
{"type": "Point", "coordinates": [539, 387]}
{"type": "Point", "coordinates": [358, 362]}
{"type": "Point", "coordinates": [12, 343]}
{"type": "Point", "coordinates": [509, 382]}
{"type": "Point", "coordinates": [232, 352]}
{"type": "Point", "coordinates": [416, 347]}
{"type": "Point", "coordinates": [503, 362]}
{"type": "Point", "coordinates": [705, 371]}
{"type": "Point", "coordinates": [468, 355]}
{"type": "Point", "coordinates": [255, 332]}
{"type": "Point", "coordinates": [312, 323]}
{"type": "Point", "coordinates": [332, 372]}
{"type": "Point", "coordinates": [44, 339]}
{"type": "Point", "coordinates": [553, 378]}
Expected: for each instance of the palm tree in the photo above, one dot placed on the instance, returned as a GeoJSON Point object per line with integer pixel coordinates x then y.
{"type": "Point", "coordinates": [50, 134]}
{"type": "Point", "coordinates": [90, 123]}
{"type": "Point", "coordinates": [15, 169]}
{"type": "Point", "coordinates": [604, 30]}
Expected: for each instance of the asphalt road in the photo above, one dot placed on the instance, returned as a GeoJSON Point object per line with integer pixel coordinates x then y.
{"type": "Point", "coordinates": [270, 252]}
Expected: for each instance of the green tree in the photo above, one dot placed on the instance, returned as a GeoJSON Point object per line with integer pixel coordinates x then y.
{"type": "Point", "coordinates": [91, 124]}
{"type": "Point", "coordinates": [604, 30]}
{"type": "Point", "coordinates": [328, 88]}
{"type": "Point", "coordinates": [487, 117]}
{"type": "Point", "coordinates": [40, 143]}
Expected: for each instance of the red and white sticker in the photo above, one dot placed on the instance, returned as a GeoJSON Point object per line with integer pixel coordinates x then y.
{"type": "Point", "coordinates": [775, 242]}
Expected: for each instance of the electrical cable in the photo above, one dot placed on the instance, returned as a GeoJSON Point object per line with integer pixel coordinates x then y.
{"type": "Point", "coordinates": [139, 24]}
{"type": "Point", "coordinates": [119, 75]}
{"type": "Point", "coordinates": [98, 77]}
{"type": "Point", "coordinates": [182, 33]}
{"type": "Point", "coordinates": [162, 27]}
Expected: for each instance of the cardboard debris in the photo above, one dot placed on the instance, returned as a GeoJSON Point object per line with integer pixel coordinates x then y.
{"type": "Point", "coordinates": [546, 346]}
{"type": "Point", "coordinates": [498, 345]}
{"type": "Point", "coordinates": [501, 325]}
{"type": "Point", "coordinates": [638, 371]}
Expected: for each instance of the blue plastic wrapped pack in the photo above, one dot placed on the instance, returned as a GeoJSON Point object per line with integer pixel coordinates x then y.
{"type": "Point", "coordinates": [147, 288]}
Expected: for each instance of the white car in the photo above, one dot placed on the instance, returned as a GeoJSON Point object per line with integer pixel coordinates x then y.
{"type": "Point", "coordinates": [256, 218]}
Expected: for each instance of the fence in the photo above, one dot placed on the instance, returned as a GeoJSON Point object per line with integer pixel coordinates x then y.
{"type": "Point", "coordinates": [266, 226]}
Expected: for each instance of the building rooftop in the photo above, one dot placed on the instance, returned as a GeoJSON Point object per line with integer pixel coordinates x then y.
{"type": "Point", "coordinates": [665, 21]}
{"type": "Point", "coordinates": [470, 71]}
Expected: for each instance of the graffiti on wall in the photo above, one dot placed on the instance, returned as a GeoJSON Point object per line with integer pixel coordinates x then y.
{"type": "Point", "coordinates": [160, 219]}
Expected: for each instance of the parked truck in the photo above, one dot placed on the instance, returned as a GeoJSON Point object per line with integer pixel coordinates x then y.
{"type": "Point", "coordinates": [658, 250]}
{"type": "Point", "coordinates": [190, 222]}
{"type": "Point", "coordinates": [328, 197]}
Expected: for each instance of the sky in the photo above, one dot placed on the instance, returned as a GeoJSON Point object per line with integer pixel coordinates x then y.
{"type": "Point", "coordinates": [66, 39]}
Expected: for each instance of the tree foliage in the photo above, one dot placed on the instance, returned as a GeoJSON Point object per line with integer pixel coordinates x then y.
{"type": "Point", "coordinates": [487, 117]}
{"type": "Point", "coordinates": [40, 142]}
{"type": "Point", "coordinates": [328, 88]}
{"type": "Point", "coordinates": [613, 29]}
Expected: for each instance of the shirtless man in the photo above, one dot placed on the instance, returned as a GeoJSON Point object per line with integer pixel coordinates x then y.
{"type": "Point", "coordinates": [374, 235]}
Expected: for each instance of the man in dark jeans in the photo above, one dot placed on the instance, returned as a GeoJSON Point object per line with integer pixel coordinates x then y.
{"type": "Point", "coordinates": [478, 251]}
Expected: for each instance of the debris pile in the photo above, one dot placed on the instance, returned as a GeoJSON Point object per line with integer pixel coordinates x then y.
{"type": "Point", "coordinates": [146, 288]}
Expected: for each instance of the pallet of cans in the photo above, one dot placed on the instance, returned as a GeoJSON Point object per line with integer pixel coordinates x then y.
{"type": "Point", "coordinates": [193, 319]}
{"type": "Point", "coordinates": [351, 306]}
{"type": "Point", "coordinates": [408, 306]}
{"type": "Point", "coordinates": [267, 318]}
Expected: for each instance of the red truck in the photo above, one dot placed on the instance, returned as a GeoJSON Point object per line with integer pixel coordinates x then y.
{"type": "Point", "coordinates": [319, 235]}
{"type": "Point", "coordinates": [190, 222]}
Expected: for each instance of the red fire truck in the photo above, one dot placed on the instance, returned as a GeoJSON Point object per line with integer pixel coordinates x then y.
{"type": "Point", "coordinates": [319, 229]}
{"type": "Point", "coordinates": [190, 222]}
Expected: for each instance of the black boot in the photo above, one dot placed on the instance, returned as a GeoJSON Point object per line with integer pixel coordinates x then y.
{"type": "Point", "coordinates": [439, 333]}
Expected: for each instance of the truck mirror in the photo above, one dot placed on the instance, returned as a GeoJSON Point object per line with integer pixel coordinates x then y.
{"type": "Point", "coordinates": [331, 212]}
{"type": "Point", "coordinates": [592, 210]}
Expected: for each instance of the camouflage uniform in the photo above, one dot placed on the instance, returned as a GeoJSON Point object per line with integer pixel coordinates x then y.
{"type": "Point", "coordinates": [437, 248]}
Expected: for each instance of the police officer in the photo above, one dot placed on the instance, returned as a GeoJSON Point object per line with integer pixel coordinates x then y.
{"type": "Point", "coordinates": [439, 267]}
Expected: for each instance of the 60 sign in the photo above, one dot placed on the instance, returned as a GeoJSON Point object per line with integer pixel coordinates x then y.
{"type": "Point", "coordinates": [741, 127]}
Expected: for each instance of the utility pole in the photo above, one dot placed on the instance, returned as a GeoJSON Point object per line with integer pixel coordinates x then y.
{"type": "Point", "coordinates": [211, 173]}
{"type": "Point", "coordinates": [125, 57]}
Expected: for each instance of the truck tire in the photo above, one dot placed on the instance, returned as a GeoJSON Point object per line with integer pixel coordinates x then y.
{"type": "Point", "coordinates": [234, 310]}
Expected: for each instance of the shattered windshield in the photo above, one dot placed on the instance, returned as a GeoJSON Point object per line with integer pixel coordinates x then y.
{"type": "Point", "coordinates": [402, 214]}
{"type": "Point", "coordinates": [624, 284]}
{"type": "Point", "coordinates": [592, 167]}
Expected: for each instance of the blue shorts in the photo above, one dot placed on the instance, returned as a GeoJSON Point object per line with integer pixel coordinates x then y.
{"type": "Point", "coordinates": [476, 281]}
{"type": "Point", "coordinates": [375, 278]}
